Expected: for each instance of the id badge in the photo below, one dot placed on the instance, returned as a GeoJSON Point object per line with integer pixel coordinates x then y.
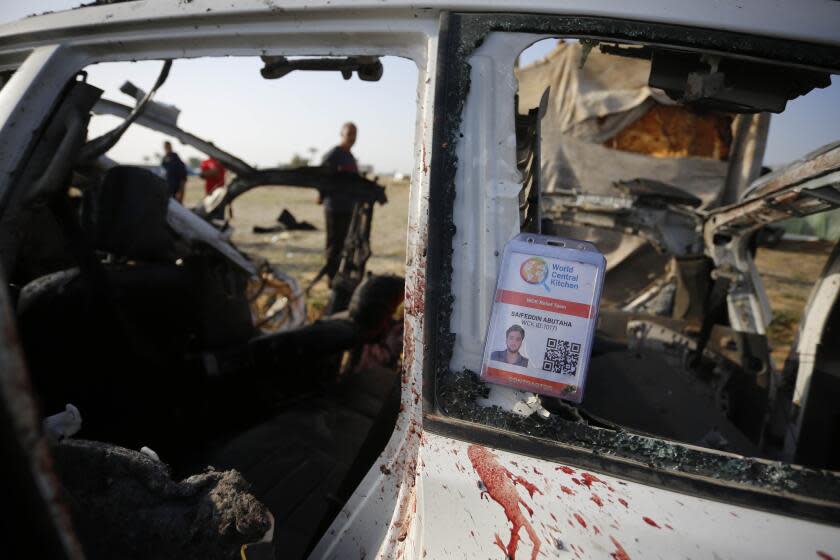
{"type": "Point", "coordinates": [544, 313]}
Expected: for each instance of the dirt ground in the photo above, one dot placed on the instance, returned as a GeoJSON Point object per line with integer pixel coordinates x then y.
{"type": "Point", "coordinates": [788, 270]}
{"type": "Point", "coordinates": [301, 253]}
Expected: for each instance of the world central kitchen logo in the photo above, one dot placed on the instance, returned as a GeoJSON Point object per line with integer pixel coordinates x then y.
{"type": "Point", "coordinates": [535, 270]}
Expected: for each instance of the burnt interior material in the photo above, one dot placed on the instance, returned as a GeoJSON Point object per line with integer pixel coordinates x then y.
{"type": "Point", "coordinates": [119, 498]}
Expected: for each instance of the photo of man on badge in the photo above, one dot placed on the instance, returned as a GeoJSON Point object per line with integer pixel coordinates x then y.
{"type": "Point", "coordinates": [513, 341]}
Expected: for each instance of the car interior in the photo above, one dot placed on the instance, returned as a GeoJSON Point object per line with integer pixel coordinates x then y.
{"type": "Point", "coordinates": [152, 328]}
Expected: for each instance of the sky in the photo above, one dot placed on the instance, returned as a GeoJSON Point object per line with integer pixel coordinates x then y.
{"type": "Point", "coordinates": [266, 122]}
{"type": "Point", "coordinates": [263, 122]}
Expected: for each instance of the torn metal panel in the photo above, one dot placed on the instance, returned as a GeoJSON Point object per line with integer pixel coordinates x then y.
{"type": "Point", "coordinates": [651, 192]}
{"type": "Point", "coordinates": [156, 109]}
{"type": "Point", "coordinates": [323, 179]}
{"type": "Point", "coordinates": [100, 145]}
{"type": "Point", "coordinates": [658, 299]}
{"type": "Point", "coordinates": [783, 193]}
{"type": "Point", "coordinates": [151, 121]}
{"type": "Point", "coordinates": [647, 336]}
{"type": "Point", "coordinates": [354, 257]}
{"type": "Point", "coordinates": [802, 188]}
{"type": "Point", "coordinates": [670, 228]}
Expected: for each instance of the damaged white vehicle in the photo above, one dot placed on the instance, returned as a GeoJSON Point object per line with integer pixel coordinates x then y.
{"type": "Point", "coordinates": [277, 443]}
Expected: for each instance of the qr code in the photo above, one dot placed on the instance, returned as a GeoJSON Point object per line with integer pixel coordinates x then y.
{"type": "Point", "coordinates": [561, 356]}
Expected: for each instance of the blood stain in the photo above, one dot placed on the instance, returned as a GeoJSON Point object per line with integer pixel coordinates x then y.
{"type": "Point", "coordinates": [651, 522]}
{"type": "Point", "coordinates": [567, 470]}
{"type": "Point", "coordinates": [620, 553]}
{"type": "Point", "coordinates": [500, 485]}
{"type": "Point", "coordinates": [501, 545]}
{"type": "Point", "coordinates": [595, 498]}
{"type": "Point", "coordinates": [622, 501]}
{"type": "Point", "coordinates": [824, 555]}
{"type": "Point", "coordinates": [588, 479]}
{"type": "Point", "coordinates": [580, 520]}
{"type": "Point", "coordinates": [567, 490]}
{"type": "Point", "coordinates": [576, 481]}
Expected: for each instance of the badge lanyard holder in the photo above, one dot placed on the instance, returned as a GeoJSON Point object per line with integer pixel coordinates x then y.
{"type": "Point", "coordinates": [544, 315]}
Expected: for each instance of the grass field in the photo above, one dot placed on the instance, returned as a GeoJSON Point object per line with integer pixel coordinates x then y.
{"type": "Point", "coordinates": [788, 270]}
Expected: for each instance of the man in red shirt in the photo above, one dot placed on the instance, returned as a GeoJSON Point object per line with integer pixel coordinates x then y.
{"type": "Point", "coordinates": [213, 174]}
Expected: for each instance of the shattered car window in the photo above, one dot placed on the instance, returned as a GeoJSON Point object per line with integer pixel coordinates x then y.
{"type": "Point", "coordinates": [187, 298]}
{"type": "Point", "coordinates": [706, 334]}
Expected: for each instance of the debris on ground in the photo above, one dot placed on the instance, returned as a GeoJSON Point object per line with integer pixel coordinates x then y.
{"type": "Point", "coordinates": [286, 221]}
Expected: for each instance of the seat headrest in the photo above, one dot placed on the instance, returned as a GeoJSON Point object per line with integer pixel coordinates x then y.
{"type": "Point", "coordinates": [126, 214]}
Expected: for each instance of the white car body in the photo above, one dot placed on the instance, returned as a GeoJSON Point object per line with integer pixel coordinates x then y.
{"type": "Point", "coordinates": [432, 494]}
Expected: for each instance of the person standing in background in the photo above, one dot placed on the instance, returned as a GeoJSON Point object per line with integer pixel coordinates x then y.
{"type": "Point", "coordinates": [176, 172]}
{"type": "Point", "coordinates": [338, 209]}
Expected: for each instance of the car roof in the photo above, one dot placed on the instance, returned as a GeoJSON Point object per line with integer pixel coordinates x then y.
{"type": "Point", "coordinates": [813, 21]}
